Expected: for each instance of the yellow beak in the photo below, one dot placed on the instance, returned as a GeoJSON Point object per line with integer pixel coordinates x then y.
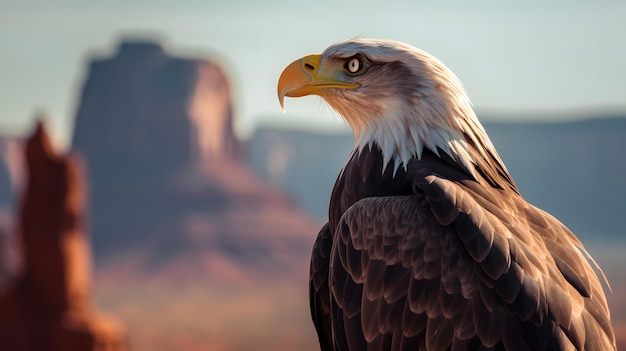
{"type": "Point", "coordinates": [306, 76]}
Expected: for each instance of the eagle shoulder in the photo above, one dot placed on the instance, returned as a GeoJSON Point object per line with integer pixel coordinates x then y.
{"type": "Point", "coordinates": [453, 266]}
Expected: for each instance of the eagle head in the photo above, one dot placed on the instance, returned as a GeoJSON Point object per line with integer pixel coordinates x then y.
{"type": "Point", "coordinates": [395, 96]}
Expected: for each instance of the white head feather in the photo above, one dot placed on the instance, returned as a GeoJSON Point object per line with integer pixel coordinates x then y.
{"type": "Point", "coordinates": [414, 102]}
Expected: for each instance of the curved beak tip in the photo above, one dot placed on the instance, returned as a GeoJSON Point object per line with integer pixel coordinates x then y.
{"type": "Point", "coordinates": [294, 80]}
{"type": "Point", "coordinates": [281, 98]}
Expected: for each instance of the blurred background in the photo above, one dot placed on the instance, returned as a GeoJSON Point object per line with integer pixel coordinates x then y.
{"type": "Point", "coordinates": [203, 198]}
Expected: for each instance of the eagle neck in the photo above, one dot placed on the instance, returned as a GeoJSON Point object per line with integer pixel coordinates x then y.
{"type": "Point", "coordinates": [406, 133]}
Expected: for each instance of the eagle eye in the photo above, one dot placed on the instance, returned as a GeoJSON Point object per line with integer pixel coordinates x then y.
{"type": "Point", "coordinates": [354, 65]}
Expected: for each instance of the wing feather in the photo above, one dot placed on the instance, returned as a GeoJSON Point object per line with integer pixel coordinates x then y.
{"type": "Point", "coordinates": [319, 290]}
{"type": "Point", "coordinates": [442, 266]}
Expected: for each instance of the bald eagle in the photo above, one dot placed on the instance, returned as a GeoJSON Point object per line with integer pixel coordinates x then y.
{"type": "Point", "coordinates": [429, 244]}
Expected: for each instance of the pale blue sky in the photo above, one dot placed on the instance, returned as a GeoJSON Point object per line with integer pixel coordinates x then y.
{"type": "Point", "coordinates": [564, 58]}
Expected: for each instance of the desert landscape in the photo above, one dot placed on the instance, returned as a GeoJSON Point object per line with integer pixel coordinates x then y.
{"type": "Point", "coordinates": [201, 240]}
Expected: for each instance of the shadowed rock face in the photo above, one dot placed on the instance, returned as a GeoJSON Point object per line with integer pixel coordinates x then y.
{"type": "Point", "coordinates": [143, 112]}
{"type": "Point", "coordinates": [9, 260]}
{"type": "Point", "coordinates": [56, 256]}
{"type": "Point", "coordinates": [5, 179]}
{"type": "Point", "coordinates": [166, 176]}
{"type": "Point", "coordinates": [146, 119]}
{"type": "Point", "coordinates": [48, 307]}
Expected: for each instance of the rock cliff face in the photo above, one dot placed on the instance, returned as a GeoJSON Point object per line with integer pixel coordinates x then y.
{"type": "Point", "coordinates": [48, 307]}
{"type": "Point", "coordinates": [6, 192]}
{"type": "Point", "coordinates": [176, 215]}
{"type": "Point", "coordinates": [8, 252]}
{"type": "Point", "coordinates": [144, 112]}
{"type": "Point", "coordinates": [157, 134]}
{"type": "Point", "coordinates": [147, 124]}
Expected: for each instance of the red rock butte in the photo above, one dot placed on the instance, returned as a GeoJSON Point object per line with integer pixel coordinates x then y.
{"type": "Point", "coordinates": [166, 175]}
{"type": "Point", "coordinates": [48, 307]}
{"type": "Point", "coordinates": [178, 217]}
{"type": "Point", "coordinates": [142, 104]}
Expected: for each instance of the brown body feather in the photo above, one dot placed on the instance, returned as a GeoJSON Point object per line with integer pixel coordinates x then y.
{"type": "Point", "coordinates": [433, 259]}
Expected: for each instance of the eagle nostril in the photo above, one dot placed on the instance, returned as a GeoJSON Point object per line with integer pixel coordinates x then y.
{"type": "Point", "coordinates": [309, 67]}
